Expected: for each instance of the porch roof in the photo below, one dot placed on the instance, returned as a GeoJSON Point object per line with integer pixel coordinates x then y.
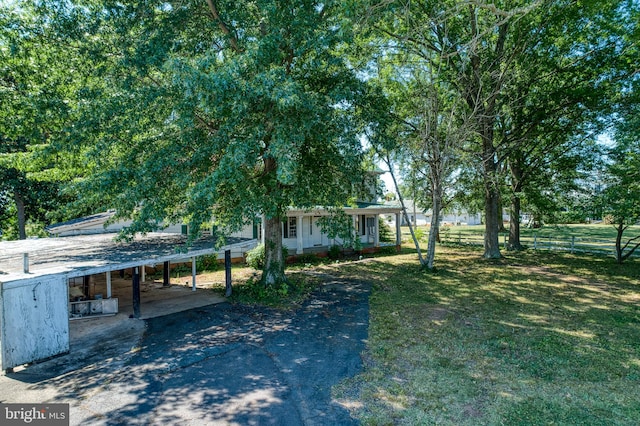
{"type": "Point", "coordinates": [359, 208]}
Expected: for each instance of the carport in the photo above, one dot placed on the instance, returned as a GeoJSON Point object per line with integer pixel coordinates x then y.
{"type": "Point", "coordinates": [35, 276]}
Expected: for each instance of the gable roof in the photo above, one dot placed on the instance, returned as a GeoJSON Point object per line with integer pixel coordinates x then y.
{"type": "Point", "coordinates": [81, 222]}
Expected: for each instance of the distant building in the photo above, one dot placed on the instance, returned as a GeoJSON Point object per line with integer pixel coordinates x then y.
{"type": "Point", "coordinates": [421, 217]}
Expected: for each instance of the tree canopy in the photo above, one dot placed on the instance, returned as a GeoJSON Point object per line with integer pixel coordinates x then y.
{"type": "Point", "coordinates": [35, 107]}
{"type": "Point", "coordinates": [216, 111]}
{"type": "Point", "coordinates": [536, 77]}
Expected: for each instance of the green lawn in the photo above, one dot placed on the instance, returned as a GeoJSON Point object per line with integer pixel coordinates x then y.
{"type": "Point", "coordinates": [534, 338]}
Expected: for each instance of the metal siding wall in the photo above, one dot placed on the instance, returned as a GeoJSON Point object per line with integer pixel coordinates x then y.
{"type": "Point", "coordinates": [35, 320]}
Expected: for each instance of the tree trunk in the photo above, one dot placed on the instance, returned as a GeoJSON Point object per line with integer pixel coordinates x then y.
{"type": "Point", "coordinates": [485, 110]}
{"type": "Point", "coordinates": [493, 216]}
{"type": "Point", "coordinates": [404, 212]}
{"type": "Point", "coordinates": [19, 200]}
{"type": "Point", "coordinates": [514, 224]}
{"type": "Point", "coordinates": [517, 177]}
{"type": "Point", "coordinates": [621, 256]}
{"type": "Point", "coordinates": [273, 273]}
{"type": "Point", "coordinates": [620, 228]}
{"type": "Point", "coordinates": [434, 230]}
{"type": "Point", "coordinates": [514, 212]}
{"type": "Point", "coordinates": [491, 234]}
{"type": "Point", "coordinates": [501, 227]}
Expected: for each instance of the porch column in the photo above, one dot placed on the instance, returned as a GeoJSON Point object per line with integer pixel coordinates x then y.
{"type": "Point", "coordinates": [299, 228]}
{"type": "Point", "coordinates": [398, 231]}
{"type": "Point", "coordinates": [262, 233]}
{"type": "Point", "coordinates": [108, 284]}
{"type": "Point", "coordinates": [376, 237]}
{"type": "Point", "coordinates": [143, 273]}
{"type": "Point", "coordinates": [356, 229]}
{"type": "Point", "coordinates": [193, 273]}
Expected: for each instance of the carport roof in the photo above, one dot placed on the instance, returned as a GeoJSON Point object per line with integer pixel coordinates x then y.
{"type": "Point", "coordinates": [94, 254]}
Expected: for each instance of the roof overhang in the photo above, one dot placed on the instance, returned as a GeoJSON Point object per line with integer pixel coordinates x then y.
{"type": "Point", "coordinates": [93, 254]}
{"type": "Point", "coordinates": [361, 208]}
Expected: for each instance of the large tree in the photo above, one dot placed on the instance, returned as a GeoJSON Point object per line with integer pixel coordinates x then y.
{"type": "Point", "coordinates": [621, 197]}
{"type": "Point", "coordinates": [217, 110]}
{"type": "Point", "coordinates": [34, 108]}
{"type": "Point", "coordinates": [531, 74]}
{"type": "Point", "coordinates": [427, 129]}
{"type": "Point", "coordinates": [473, 46]}
{"type": "Point", "coordinates": [562, 87]}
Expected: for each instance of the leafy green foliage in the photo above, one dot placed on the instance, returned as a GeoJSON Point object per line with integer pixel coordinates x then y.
{"type": "Point", "coordinates": [526, 84]}
{"type": "Point", "coordinates": [386, 235]}
{"type": "Point", "coordinates": [37, 80]}
{"type": "Point", "coordinates": [207, 263]}
{"type": "Point", "coordinates": [340, 225]}
{"type": "Point", "coordinates": [231, 110]}
{"type": "Point", "coordinates": [335, 252]}
{"type": "Point", "coordinates": [282, 296]}
{"type": "Point", "coordinates": [621, 197]}
{"type": "Point", "coordinates": [256, 256]}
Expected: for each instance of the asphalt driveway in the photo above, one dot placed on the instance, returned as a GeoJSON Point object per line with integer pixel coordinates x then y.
{"type": "Point", "coordinates": [219, 364]}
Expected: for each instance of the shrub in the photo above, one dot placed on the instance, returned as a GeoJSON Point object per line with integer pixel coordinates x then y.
{"type": "Point", "coordinates": [388, 250]}
{"type": "Point", "coordinates": [307, 258]}
{"type": "Point", "coordinates": [384, 232]}
{"type": "Point", "coordinates": [334, 252]}
{"type": "Point", "coordinates": [207, 263]}
{"type": "Point", "coordinates": [255, 256]}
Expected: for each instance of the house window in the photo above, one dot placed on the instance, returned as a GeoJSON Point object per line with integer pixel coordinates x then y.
{"type": "Point", "coordinates": [290, 228]}
{"type": "Point", "coordinates": [363, 229]}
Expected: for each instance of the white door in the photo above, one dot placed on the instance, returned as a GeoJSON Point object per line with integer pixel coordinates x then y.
{"type": "Point", "coordinates": [315, 233]}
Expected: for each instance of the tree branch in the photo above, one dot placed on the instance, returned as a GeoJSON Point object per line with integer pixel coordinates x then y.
{"type": "Point", "coordinates": [233, 40]}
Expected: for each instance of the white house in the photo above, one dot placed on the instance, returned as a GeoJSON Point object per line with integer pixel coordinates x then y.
{"type": "Point", "coordinates": [302, 232]}
{"type": "Point", "coordinates": [421, 217]}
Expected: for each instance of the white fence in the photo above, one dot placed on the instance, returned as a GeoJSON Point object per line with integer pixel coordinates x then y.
{"type": "Point", "coordinates": [570, 244]}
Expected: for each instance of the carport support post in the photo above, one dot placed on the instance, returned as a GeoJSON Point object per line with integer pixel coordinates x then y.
{"type": "Point", "coordinates": [193, 273]}
{"type": "Point", "coordinates": [165, 275]}
{"type": "Point", "coordinates": [108, 284]}
{"type": "Point", "coordinates": [227, 272]}
{"type": "Point", "coordinates": [136, 293]}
